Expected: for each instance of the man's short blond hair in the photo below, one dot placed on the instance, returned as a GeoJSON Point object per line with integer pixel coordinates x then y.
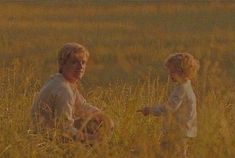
{"type": "Point", "coordinates": [67, 50]}
{"type": "Point", "coordinates": [183, 63]}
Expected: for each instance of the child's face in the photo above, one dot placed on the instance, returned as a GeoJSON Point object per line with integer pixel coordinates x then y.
{"type": "Point", "coordinates": [175, 76]}
{"type": "Point", "coordinates": [74, 68]}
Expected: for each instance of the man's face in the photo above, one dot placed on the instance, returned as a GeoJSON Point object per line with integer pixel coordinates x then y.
{"type": "Point", "coordinates": [75, 66]}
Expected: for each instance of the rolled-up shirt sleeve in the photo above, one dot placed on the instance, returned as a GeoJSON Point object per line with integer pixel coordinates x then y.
{"type": "Point", "coordinates": [83, 108]}
{"type": "Point", "coordinates": [89, 108]}
{"type": "Point", "coordinates": [175, 99]}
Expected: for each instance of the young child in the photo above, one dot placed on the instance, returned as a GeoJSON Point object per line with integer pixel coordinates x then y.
{"type": "Point", "coordinates": [179, 112]}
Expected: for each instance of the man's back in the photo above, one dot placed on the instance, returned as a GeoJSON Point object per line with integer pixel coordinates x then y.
{"type": "Point", "coordinates": [49, 101]}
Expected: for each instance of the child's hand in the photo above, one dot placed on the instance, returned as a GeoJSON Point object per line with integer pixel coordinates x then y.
{"type": "Point", "coordinates": [145, 111]}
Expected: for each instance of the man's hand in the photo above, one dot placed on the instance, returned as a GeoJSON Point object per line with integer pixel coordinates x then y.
{"type": "Point", "coordinates": [81, 135]}
{"type": "Point", "coordinates": [145, 111]}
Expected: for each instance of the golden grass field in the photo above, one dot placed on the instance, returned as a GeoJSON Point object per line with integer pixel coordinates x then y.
{"type": "Point", "coordinates": [128, 42]}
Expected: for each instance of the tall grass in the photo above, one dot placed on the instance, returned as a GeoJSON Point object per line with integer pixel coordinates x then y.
{"type": "Point", "coordinates": [128, 42]}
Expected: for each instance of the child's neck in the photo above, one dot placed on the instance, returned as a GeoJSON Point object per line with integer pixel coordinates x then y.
{"type": "Point", "coordinates": [182, 80]}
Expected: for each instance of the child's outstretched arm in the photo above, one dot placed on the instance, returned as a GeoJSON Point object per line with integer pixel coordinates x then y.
{"type": "Point", "coordinates": [145, 111]}
{"type": "Point", "coordinates": [173, 103]}
{"type": "Point", "coordinates": [156, 111]}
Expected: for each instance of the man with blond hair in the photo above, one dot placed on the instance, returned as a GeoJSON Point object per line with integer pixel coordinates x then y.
{"type": "Point", "coordinates": [59, 104]}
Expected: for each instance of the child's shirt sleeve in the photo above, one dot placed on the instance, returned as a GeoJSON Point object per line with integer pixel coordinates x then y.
{"type": "Point", "coordinates": [158, 110]}
{"type": "Point", "coordinates": [175, 99]}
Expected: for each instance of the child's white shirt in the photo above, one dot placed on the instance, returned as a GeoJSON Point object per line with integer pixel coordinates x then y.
{"type": "Point", "coordinates": [181, 107]}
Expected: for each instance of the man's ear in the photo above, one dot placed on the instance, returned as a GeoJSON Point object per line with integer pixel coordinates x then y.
{"type": "Point", "coordinates": [61, 66]}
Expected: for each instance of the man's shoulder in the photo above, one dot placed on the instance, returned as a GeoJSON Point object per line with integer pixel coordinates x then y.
{"type": "Point", "coordinates": [57, 83]}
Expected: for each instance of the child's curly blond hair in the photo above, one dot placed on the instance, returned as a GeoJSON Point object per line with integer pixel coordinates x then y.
{"type": "Point", "coordinates": [183, 63]}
